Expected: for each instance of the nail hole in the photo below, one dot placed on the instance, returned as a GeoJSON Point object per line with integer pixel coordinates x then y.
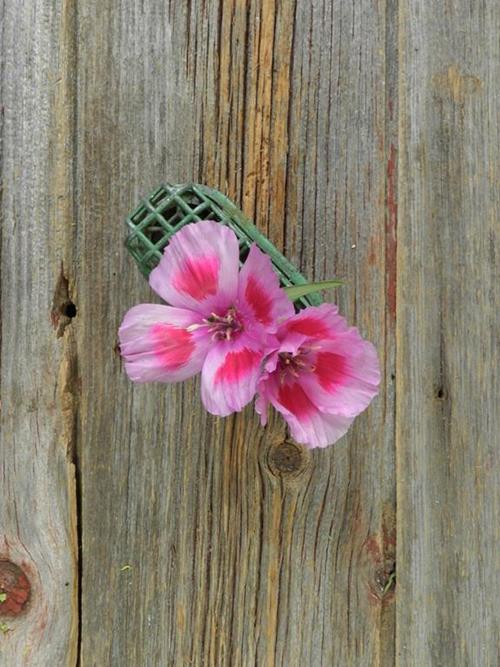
{"type": "Point", "coordinates": [440, 393]}
{"type": "Point", "coordinates": [69, 309]}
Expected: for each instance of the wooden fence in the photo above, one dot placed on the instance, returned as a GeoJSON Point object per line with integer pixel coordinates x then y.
{"type": "Point", "coordinates": [136, 530]}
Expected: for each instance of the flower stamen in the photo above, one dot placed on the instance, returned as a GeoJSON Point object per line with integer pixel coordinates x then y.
{"type": "Point", "coordinates": [224, 327]}
{"type": "Point", "coordinates": [294, 365]}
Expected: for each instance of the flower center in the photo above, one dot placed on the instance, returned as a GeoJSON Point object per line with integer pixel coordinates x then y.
{"type": "Point", "coordinates": [292, 365]}
{"type": "Point", "coordinates": [224, 327]}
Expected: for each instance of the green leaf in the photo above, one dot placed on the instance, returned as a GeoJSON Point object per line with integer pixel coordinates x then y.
{"type": "Point", "coordinates": [4, 628]}
{"type": "Point", "coordinates": [3, 597]}
{"type": "Point", "coordinates": [297, 291]}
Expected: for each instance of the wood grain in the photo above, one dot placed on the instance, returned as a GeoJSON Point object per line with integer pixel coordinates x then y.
{"type": "Point", "coordinates": [38, 489]}
{"type": "Point", "coordinates": [233, 561]}
{"type": "Point", "coordinates": [362, 138]}
{"type": "Point", "coordinates": [447, 407]}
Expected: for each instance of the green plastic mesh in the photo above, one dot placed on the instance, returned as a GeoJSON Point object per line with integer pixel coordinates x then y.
{"type": "Point", "coordinates": [170, 207]}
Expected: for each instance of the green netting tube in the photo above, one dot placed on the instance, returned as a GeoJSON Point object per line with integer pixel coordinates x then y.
{"type": "Point", "coordinates": [166, 210]}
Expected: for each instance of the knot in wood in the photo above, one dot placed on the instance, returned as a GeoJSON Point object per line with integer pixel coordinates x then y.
{"type": "Point", "coordinates": [287, 458]}
{"type": "Point", "coordinates": [15, 589]}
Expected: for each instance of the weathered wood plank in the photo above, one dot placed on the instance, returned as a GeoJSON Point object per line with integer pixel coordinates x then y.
{"type": "Point", "coordinates": [234, 560]}
{"type": "Point", "coordinates": [37, 381]}
{"type": "Point", "coordinates": [325, 120]}
{"type": "Point", "coordinates": [448, 388]}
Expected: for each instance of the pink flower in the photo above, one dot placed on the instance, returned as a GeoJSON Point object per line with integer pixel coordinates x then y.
{"type": "Point", "coordinates": [320, 376]}
{"type": "Point", "coordinates": [220, 320]}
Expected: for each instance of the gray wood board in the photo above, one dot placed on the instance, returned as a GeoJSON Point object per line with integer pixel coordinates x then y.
{"type": "Point", "coordinates": [448, 389]}
{"type": "Point", "coordinates": [233, 562]}
{"type": "Point", "coordinates": [37, 472]}
{"type": "Point", "coordinates": [362, 138]}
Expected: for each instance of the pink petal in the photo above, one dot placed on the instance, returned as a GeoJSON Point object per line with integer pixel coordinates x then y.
{"type": "Point", "coordinates": [199, 268]}
{"type": "Point", "coordinates": [157, 346]}
{"type": "Point", "coordinates": [316, 322]}
{"type": "Point", "coordinates": [259, 292]}
{"type": "Point", "coordinates": [263, 398]}
{"type": "Point", "coordinates": [262, 406]}
{"type": "Point", "coordinates": [320, 430]}
{"type": "Point", "coordinates": [346, 375]}
{"type": "Point", "coordinates": [199, 278]}
{"type": "Point", "coordinates": [308, 425]}
{"type": "Point", "coordinates": [230, 374]}
{"type": "Point", "coordinates": [292, 397]}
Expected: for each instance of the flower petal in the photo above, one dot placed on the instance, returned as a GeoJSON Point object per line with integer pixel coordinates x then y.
{"type": "Point", "coordinates": [346, 375]}
{"type": "Point", "coordinates": [259, 292]}
{"type": "Point", "coordinates": [230, 374]}
{"type": "Point", "coordinates": [308, 425]}
{"type": "Point", "coordinates": [157, 345]}
{"type": "Point", "coordinates": [315, 322]}
{"type": "Point", "coordinates": [199, 268]}
{"type": "Point", "coordinates": [262, 406]}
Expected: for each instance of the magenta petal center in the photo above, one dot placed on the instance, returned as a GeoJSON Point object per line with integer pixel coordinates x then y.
{"type": "Point", "coordinates": [198, 277]}
{"type": "Point", "coordinates": [237, 365]}
{"type": "Point", "coordinates": [172, 345]}
{"type": "Point", "coordinates": [330, 370]}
